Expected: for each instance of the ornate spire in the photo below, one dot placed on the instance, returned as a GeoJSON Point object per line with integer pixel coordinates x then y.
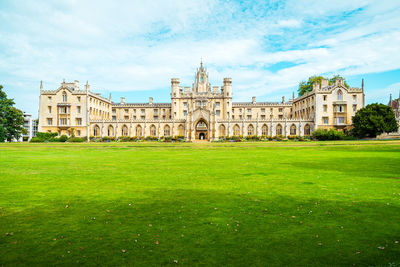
{"type": "Point", "coordinates": [362, 84]}
{"type": "Point", "coordinates": [41, 86]}
{"type": "Point", "coordinates": [390, 100]}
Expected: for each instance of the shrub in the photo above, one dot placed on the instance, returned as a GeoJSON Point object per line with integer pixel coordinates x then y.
{"type": "Point", "coordinates": [278, 137]}
{"type": "Point", "coordinates": [292, 137]}
{"type": "Point", "coordinates": [76, 140]}
{"type": "Point", "coordinates": [63, 138]}
{"type": "Point", "coordinates": [105, 139]}
{"type": "Point", "coordinates": [124, 138]}
{"type": "Point", "coordinates": [36, 140]}
{"type": "Point", "coordinates": [331, 134]}
{"type": "Point", "coordinates": [45, 136]}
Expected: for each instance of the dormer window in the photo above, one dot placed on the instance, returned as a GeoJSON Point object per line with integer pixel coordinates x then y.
{"type": "Point", "coordinates": [339, 95]}
{"type": "Point", "coordinates": [64, 97]}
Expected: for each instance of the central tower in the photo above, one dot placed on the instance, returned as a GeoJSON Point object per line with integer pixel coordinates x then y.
{"type": "Point", "coordinates": [201, 83]}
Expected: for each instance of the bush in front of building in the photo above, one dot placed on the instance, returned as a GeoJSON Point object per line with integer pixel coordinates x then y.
{"type": "Point", "coordinates": [36, 140]}
{"type": "Point", "coordinates": [325, 134]}
{"type": "Point", "coordinates": [253, 138]}
{"type": "Point", "coordinates": [63, 138]}
{"type": "Point", "coordinates": [76, 140]}
{"type": "Point", "coordinates": [124, 139]}
{"type": "Point", "coordinates": [151, 138]}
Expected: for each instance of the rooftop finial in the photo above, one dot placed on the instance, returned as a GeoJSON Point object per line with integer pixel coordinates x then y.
{"type": "Point", "coordinates": [390, 100]}
{"type": "Point", "coordinates": [362, 84]}
{"type": "Point", "coordinates": [41, 85]}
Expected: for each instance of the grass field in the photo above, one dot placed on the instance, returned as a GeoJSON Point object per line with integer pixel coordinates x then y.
{"type": "Point", "coordinates": [245, 204]}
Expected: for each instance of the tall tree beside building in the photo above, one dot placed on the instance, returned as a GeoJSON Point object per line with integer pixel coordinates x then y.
{"type": "Point", "coordinates": [374, 120]}
{"type": "Point", "coordinates": [307, 86]}
{"type": "Point", "coordinates": [11, 119]}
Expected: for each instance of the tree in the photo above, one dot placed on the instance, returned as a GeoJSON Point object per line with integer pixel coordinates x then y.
{"type": "Point", "coordinates": [307, 86]}
{"type": "Point", "coordinates": [11, 119]}
{"type": "Point", "coordinates": [373, 120]}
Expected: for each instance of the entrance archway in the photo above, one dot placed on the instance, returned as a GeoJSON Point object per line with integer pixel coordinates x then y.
{"type": "Point", "coordinates": [201, 130]}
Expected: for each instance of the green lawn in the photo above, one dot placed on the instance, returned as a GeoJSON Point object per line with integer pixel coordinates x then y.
{"type": "Point", "coordinates": [245, 204]}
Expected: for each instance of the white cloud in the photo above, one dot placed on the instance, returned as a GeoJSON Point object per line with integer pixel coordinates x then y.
{"type": "Point", "coordinates": [126, 46]}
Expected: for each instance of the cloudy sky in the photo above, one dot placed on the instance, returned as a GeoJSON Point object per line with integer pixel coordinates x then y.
{"type": "Point", "coordinates": [133, 48]}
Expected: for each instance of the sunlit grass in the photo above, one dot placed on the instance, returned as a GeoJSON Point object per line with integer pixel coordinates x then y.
{"type": "Point", "coordinates": [295, 203]}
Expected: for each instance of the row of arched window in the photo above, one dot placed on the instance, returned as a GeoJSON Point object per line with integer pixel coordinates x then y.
{"type": "Point", "coordinates": [138, 130]}
{"type": "Point", "coordinates": [264, 130]}
{"type": "Point", "coordinates": [222, 130]}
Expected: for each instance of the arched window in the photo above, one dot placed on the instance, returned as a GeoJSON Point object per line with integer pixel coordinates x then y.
{"type": "Point", "coordinates": [221, 130]}
{"type": "Point", "coordinates": [167, 131]}
{"type": "Point", "coordinates": [64, 97]}
{"type": "Point", "coordinates": [307, 130]}
{"type": "Point", "coordinates": [110, 131]}
{"type": "Point", "coordinates": [293, 129]}
{"type": "Point", "coordinates": [96, 130]}
{"type": "Point", "coordinates": [125, 131]}
{"type": "Point", "coordinates": [264, 130]}
{"type": "Point", "coordinates": [181, 130]}
{"type": "Point", "coordinates": [339, 95]}
{"type": "Point", "coordinates": [138, 131]}
{"type": "Point", "coordinates": [201, 125]}
{"type": "Point", "coordinates": [153, 130]}
{"type": "Point", "coordinates": [278, 129]}
{"type": "Point", "coordinates": [250, 130]}
{"type": "Point", "coordinates": [236, 130]}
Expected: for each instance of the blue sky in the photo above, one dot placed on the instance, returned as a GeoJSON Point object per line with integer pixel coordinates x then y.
{"type": "Point", "coordinates": [134, 48]}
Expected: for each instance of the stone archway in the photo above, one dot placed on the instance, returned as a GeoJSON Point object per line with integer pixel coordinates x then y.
{"type": "Point", "coordinates": [201, 130]}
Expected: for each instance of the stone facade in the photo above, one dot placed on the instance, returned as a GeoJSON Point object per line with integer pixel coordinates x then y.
{"type": "Point", "coordinates": [395, 105]}
{"type": "Point", "coordinates": [198, 112]}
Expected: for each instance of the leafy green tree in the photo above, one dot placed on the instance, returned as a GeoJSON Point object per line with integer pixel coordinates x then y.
{"type": "Point", "coordinates": [332, 80]}
{"type": "Point", "coordinates": [11, 119]}
{"type": "Point", "coordinates": [373, 120]}
{"type": "Point", "coordinates": [307, 86]}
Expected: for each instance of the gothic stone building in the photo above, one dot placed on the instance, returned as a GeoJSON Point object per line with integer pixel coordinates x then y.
{"type": "Point", "coordinates": [198, 112]}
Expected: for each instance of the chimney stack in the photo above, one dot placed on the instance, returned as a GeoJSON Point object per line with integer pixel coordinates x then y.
{"type": "Point", "coordinates": [150, 100]}
{"type": "Point", "coordinates": [122, 100]}
{"type": "Point", "coordinates": [253, 99]}
{"type": "Point", "coordinates": [283, 99]}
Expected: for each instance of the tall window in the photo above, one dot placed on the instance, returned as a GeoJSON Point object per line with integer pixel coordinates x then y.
{"type": "Point", "coordinates": [139, 131]}
{"type": "Point", "coordinates": [293, 129]}
{"type": "Point", "coordinates": [339, 95]}
{"type": "Point", "coordinates": [236, 130]}
{"type": "Point", "coordinates": [49, 109]}
{"type": "Point", "coordinates": [250, 130]}
{"type": "Point", "coordinates": [167, 131]}
{"type": "Point", "coordinates": [110, 131]}
{"type": "Point", "coordinates": [125, 131]}
{"type": "Point", "coordinates": [64, 97]}
{"type": "Point", "coordinates": [221, 130]}
{"type": "Point", "coordinates": [279, 129]}
{"type": "Point", "coordinates": [153, 130]}
{"type": "Point", "coordinates": [49, 121]}
{"type": "Point", "coordinates": [79, 109]}
{"type": "Point", "coordinates": [264, 130]}
{"type": "Point", "coordinates": [78, 121]}
{"type": "Point", "coordinates": [307, 130]}
{"type": "Point", "coordinates": [96, 130]}
{"type": "Point", "coordinates": [181, 130]}
{"type": "Point", "coordinates": [325, 120]}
